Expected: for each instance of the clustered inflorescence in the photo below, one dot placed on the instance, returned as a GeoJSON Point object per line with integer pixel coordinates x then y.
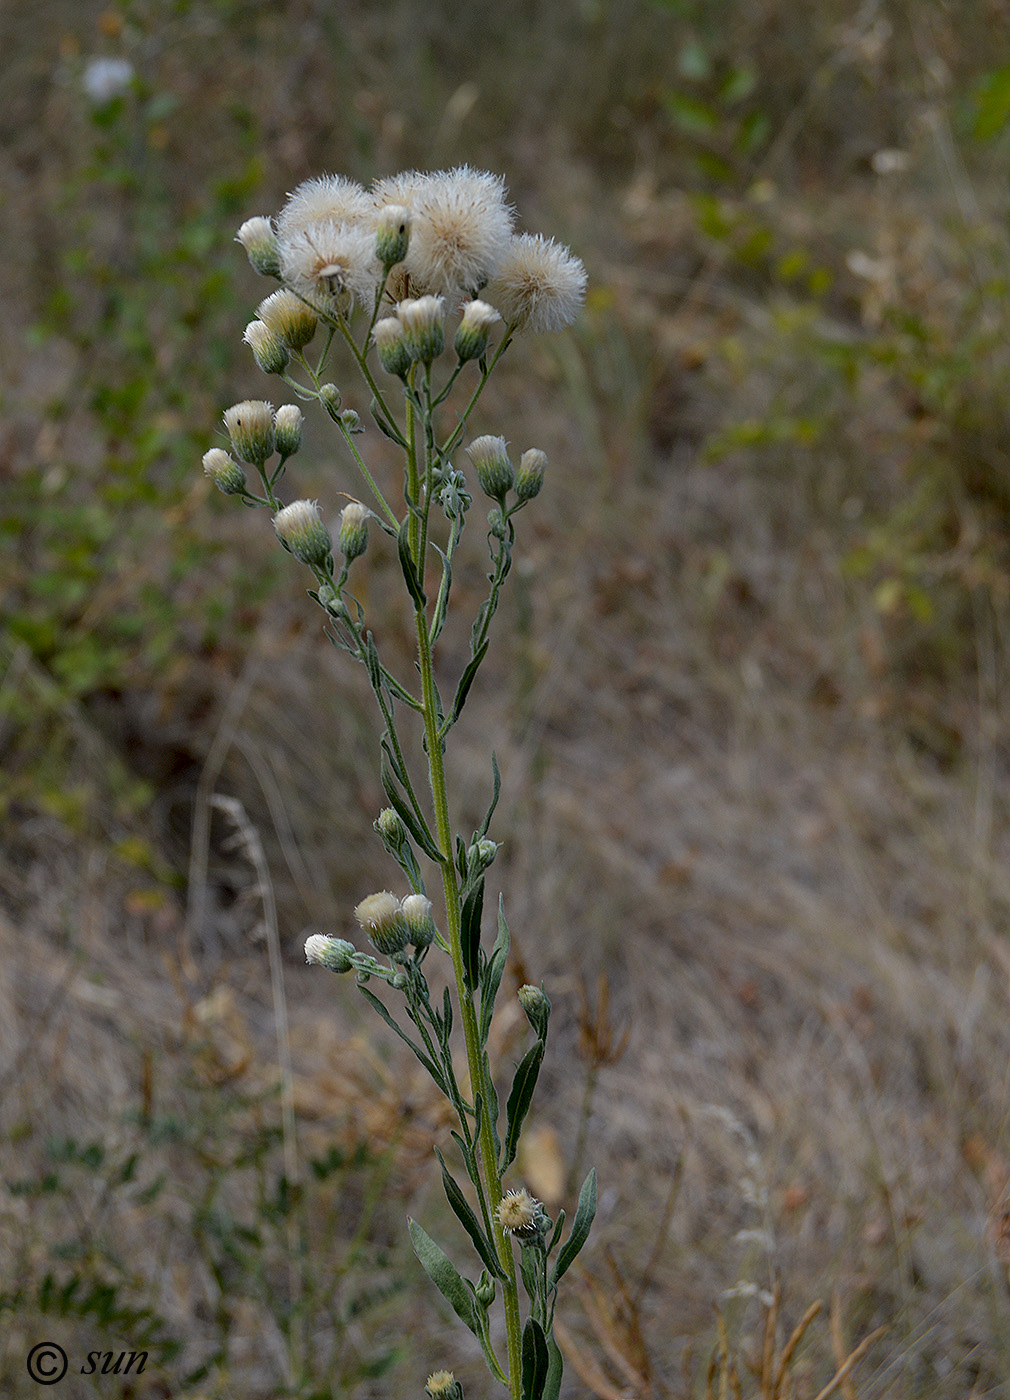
{"type": "Point", "coordinates": [422, 266]}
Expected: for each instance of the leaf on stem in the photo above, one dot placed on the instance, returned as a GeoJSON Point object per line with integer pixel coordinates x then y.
{"type": "Point", "coordinates": [445, 1276]}
{"type": "Point", "coordinates": [495, 791]}
{"type": "Point", "coordinates": [406, 813]}
{"type": "Point", "coordinates": [442, 601]}
{"type": "Point", "coordinates": [492, 974]}
{"type": "Point", "coordinates": [520, 1098]}
{"type": "Point", "coordinates": [425, 1060]}
{"type": "Point", "coordinates": [473, 908]}
{"type": "Point", "coordinates": [470, 1223]}
{"type": "Point", "coordinates": [384, 426]}
{"type": "Point", "coordinates": [581, 1226]}
{"type": "Point", "coordinates": [536, 1360]}
{"type": "Point", "coordinates": [414, 587]}
{"type": "Point", "coordinates": [465, 682]}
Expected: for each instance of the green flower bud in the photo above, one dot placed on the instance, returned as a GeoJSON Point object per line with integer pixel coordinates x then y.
{"type": "Point", "coordinates": [480, 855]}
{"type": "Point", "coordinates": [390, 828]}
{"type": "Point", "coordinates": [269, 351]}
{"type": "Point", "coordinates": [329, 397]}
{"type": "Point", "coordinates": [224, 471]}
{"type": "Point", "coordinates": [485, 1289]}
{"type": "Point", "coordinates": [536, 1003]}
{"type": "Point", "coordinates": [260, 242]}
{"type": "Point", "coordinates": [490, 458]}
{"type": "Point", "coordinates": [394, 356]}
{"type": "Point", "coordinates": [288, 422]}
{"type": "Point", "coordinates": [473, 330]}
{"type": "Point", "coordinates": [301, 530]}
{"type": "Point", "coordinates": [350, 421]}
{"type": "Point", "coordinates": [289, 318]}
{"type": "Point", "coordinates": [423, 322]}
{"type": "Point", "coordinates": [496, 523]}
{"type": "Point", "coordinates": [530, 476]}
{"type": "Point", "coordinates": [417, 911]}
{"type": "Point", "coordinates": [251, 429]}
{"type": "Point", "coordinates": [392, 234]}
{"type": "Point", "coordinates": [334, 953]}
{"type": "Point", "coordinates": [382, 919]}
{"type": "Point", "coordinates": [353, 538]}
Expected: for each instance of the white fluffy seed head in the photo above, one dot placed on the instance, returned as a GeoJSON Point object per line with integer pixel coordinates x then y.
{"type": "Point", "coordinates": [539, 285]}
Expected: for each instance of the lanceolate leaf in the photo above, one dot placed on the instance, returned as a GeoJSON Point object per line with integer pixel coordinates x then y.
{"type": "Point", "coordinates": [552, 1385]}
{"type": "Point", "coordinates": [466, 681]}
{"type": "Point", "coordinates": [405, 811]}
{"type": "Point", "coordinates": [536, 1360]}
{"type": "Point", "coordinates": [473, 908]}
{"type": "Point", "coordinates": [581, 1226]}
{"type": "Point", "coordinates": [445, 1276]}
{"type": "Point", "coordinates": [428, 1063]}
{"type": "Point", "coordinates": [519, 1099]}
{"type": "Point", "coordinates": [496, 789]}
{"type": "Point", "coordinates": [414, 587]}
{"type": "Point", "coordinates": [470, 1223]}
{"type": "Point", "coordinates": [492, 974]}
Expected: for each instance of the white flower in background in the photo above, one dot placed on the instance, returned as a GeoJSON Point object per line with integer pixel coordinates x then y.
{"type": "Point", "coordinates": [106, 78]}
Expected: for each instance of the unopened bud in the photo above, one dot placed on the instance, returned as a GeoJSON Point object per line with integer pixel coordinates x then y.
{"type": "Point", "coordinates": [490, 458]}
{"type": "Point", "coordinates": [530, 476]}
{"type": "Point", "coordinates": [417, 911]}
{"type": "Point", "coordinates": [382, 919]}
{"type": "Point", "coordinates": [423, 322]}
{"type": "Point", "coordinates": [251, 429]}
{"type": "Point", "coordinates": [536, 1003]}
{"type": "Point", "coordinates": [496, 523]}
{"type": "Point", "coordinates": [334, 953]}
{"type": "Point", "coordinates": [329, 397]}
{"type": "Point", "coordinates": [353, 538]}
{"type": "Point", "coordinates": [480, 855]}
{"type": "Point", "coordinates": [484, 1289]}
{"type": "Point", "coordinates": [289, 318]}
{"type": "Point", "coordinates": [350, 422]}
{"type": "Point", "coordinates": [392, 234]}
{"type": "Point", "coordinates": [260, 242]}
{"type": "Point", "coordinates": [269, 351]}
{"type": "Point", "coordinates": [390, 828]}
{"type": "Point", "coordinates": [300, 529]}
{"type": "Point", "coordinates": [473, 330]}
{"type": "Point", "coordinates": [224, 471]}
{"type": "Point", "coordinates": [288, 422]}
{"type": "Point", "coordinates": [394, 356]}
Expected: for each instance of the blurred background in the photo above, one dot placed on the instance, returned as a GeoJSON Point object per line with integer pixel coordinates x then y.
{"type": "Point", "coordinates": [747, 694]}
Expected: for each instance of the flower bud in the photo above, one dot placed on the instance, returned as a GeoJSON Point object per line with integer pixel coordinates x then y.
{"type": "Point", "coordinates": [301, 530]}
{"type": "Point", "coordinates": [334, 953]}
{"type": "Point", "coordinates": [480, 855]}
{"type": "Point", "coordinates": [496, 523]}
{"type": "Point", "coordinates": [443, 1385]}
{"type": "Point", "coordinates": [392, 234]}
{"type": "Point", "coordinates": [423, 322]}
{"type": "Point", "coordinates": [251, 429]}
{"type": "Point", "coordinates": [473, 330]}
{"type": "Point", "coordinates": [490, 458]}
{"type": "Point", "coordinates": [224, 471]}
{"type": "Point", "coordinates": [329, 397]}
{"type": "Point", "coordinates": [387, 336]}
{"type": "Point", "coordinates": [417, 911]}
{"type": "Point", "coordinates": [350, 422]}
{"type": "Point", "coordinates": [289, 318]}
{"type": "Point", "coordinates": [353, 538]}
{"type": "Point", "coordinates": [530, 476]}
{"type": "Point", "coordinates": [269, 351]}
{"type": "Point", "coordinates": [536, 1003]}
{"type": "Point", "coordinates": [260, 242]}
{"type": "Point", "coordinates": [390, 828]}
{"type": "Point", "coordinates": [485, 1289]}
{"type": "Point", "coordinates": [288, 421]}
{"type": "Point", "coordinates": [382, 919]}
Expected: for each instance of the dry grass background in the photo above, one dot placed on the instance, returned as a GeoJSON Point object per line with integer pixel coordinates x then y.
{"type": "Point", "coordinates": [755, 794]}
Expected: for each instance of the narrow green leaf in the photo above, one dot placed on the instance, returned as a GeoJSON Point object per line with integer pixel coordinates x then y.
{"type": "Point", "coordinates": [552, 1385]}
{"type": "Point", "coordinates": [383, 424]}
{"type": "Point", "coordinates": [491, 1105]}
{"type": "Point", "coordinates": [442, 602]}
{"type": "Point", "coordinates": [581, 1226]}
{"type": "Point", "coordinates": [473, 908]}
{"type": "Point", "coordinates": [411, 579]}
{"type": "Point", "coordinates": [520, 1098]}
{"type": "Point", "coordinates": [466, 681]}
{"type": "Point", "coordinates": [405, 811]}
{"type": "Point", "coordinates": [445, 1276]}
{"type": "Point", "coordinates": [496, 790]}
{"type": "Point", "coordinates": [536, 1360]}
{"type": "Point", "coordinates": [469, 1221]}
{"type": "Point", "coordinates": [425, 1060]}
{"type": "Point", "coordinates": [492, 974]}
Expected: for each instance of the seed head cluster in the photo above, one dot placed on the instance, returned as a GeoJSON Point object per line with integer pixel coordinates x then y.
{"type": "Point", "coordinates": [447, 234]}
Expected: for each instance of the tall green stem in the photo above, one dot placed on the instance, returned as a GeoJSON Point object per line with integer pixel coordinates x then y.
{"type": "Point", "coordinates": [474, 1057]}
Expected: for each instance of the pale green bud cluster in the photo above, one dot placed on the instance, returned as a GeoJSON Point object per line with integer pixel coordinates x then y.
{"type": "Point", "coordinates": [224, 472]}
{"type": "Point", "coordinates": [334, 953]}
{"type": "Point", "coordinates": [250, 427]}
{"type": "Point", "coordinates": [530, 474]}
{"type": "Point", "coordinates": [289, 318]}
{"type": "Point", "coordinates": [392, 234]}
{"type": "Point", "coordinates": [472, 333]}
{"type": "Point", "coordinates": [423, 323]}
{"type": "Point", "coordinates": [490, 459]}
{"type": "Point", "coordinates": [417, 912]}
{"type": "Point", "coordinates": [443, 1385]}
{"type": "Point", "coordinates": [480, 855]}
{"type": "Point", "coordinates": [288, 423]}
{"type": "Point", "coordinates": [382, 918]}
{"type": "Point", "coordinates": [300, 529]}
{"type": "Point", "coordinates": [394, 356]}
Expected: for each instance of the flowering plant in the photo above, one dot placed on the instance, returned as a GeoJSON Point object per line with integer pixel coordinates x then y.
{"type": "Point", "coordinates": [388, 271]}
